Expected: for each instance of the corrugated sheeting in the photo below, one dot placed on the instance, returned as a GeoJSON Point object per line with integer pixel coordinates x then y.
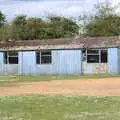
{"type": "Point", "coordinates": [27, 62]}
{"type": "Point", "coordinates": [66, 61]}
{"type": "Point", "coordinates": [44, 69]}
{"type": "Point", "coordinates": [113, 60]}
{"type": "Point", "coordinates": [62, 43]}
{"type": "Point", "coordinates": [11, 68]}
{"type": "Point", "coordinates": [1, 62]}
{"type": "Point", "coordinates": [63, 62]}
{"type": "Point", "coordinates": [94, 68]}
{"type": "Point", "coordinates": [119, 60]}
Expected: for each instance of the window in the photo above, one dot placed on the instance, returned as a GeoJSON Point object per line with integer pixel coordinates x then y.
{"type": "Point", "coordinates": [43, 57]}
{"type": "Point", "coordinates": [11, 57]}
{"type": "Point", "coordinates": [93, 59]}
{"type": "Point", "coordinates": [92, 56]}
{"type": "Point", "coordinates": [96, 56]}
{"type": "Point", "coordinates": [104, 56]}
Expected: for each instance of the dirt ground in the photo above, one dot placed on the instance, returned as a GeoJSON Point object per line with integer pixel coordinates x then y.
{"type": "Point", "coordinates": [100, 87]}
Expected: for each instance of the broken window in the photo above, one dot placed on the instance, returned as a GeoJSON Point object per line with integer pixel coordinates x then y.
{"type": "Point", "coordinates": [11, 57]}
{"type": "Point", "coordinates": [92, 56]}
{"type": "Point", "coordinates": [43, 57]}
{"type": "Point", "coordinates": [96, 56]}
{"type": "Point", "coordinates": [93, 59]}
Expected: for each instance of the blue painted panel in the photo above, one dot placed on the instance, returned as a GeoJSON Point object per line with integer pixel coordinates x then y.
{"type": "Point", "coordinates": [113, 66]}
{"type": "Point", "coordinates": [11, 68]}
{"type": "Point", "coordinates": [44, 69]}
{"type": "Point", "coordinates": [27, 62]}
{"type": "Point", "coordinates": [66, 61]}
{"type": "Point", "coordinates": [1, 62]}
{"type": "Point", "coordinates": [118, 60]}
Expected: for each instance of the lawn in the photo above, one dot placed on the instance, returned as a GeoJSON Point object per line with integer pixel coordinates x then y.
{"type": "Point", "coordinates": [59, 107]}
{"type": "Point", "coordinates": [9, 80]}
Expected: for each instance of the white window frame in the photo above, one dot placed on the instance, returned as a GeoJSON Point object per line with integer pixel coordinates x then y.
{"type": "Point", "coordinates": [40, 57]}
{"type": "Point", "coordinates": [99, 54]}
{"type": "Point", "coordinates": [8, 56]}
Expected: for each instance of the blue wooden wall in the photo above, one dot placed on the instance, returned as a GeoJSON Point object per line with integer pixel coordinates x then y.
{"type": "Point", "coordinates": [119, 60]}
{"type": "Point", "coordinates": [63, 62]}
{"type": "Point", "coordinates": [113, 60]}
{"type": "Point", "coordinates": [1, 62]}
{"type": "Point", "coordinates": [27, 62]}
{"type": "Point", "coordinates": [66, 61]}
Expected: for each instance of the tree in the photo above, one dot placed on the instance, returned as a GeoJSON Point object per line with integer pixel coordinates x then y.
{"type": "Point", "coordinates": [105, 22]}
{"type": "Point", "coordinates": [35, 28]}
{"type": "Point", "coordinates": [23, 28]}
{"type": "Point", "coordinates": [2, 18]}
{"type": "Point", "coordinates": [62, 27]}
{"type": "Point", "coordinates": [18, 28]}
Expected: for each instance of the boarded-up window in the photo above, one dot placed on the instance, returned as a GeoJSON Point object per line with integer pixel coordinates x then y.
{"type": "Point", "coordinates": [11, 57]}
{"type": "Point", "coordinates": [43, 57]}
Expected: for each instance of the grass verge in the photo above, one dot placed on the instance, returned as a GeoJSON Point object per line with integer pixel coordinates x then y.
{"type": "Point", "coordinates": [9, 80]}
{"type": "Point", "coordinates": [59, 107]}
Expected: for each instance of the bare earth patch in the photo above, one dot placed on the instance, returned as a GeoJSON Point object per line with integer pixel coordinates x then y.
{"type": "Point", "coordinates": [100, 87]}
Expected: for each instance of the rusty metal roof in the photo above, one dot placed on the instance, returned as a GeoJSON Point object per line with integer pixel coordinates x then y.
{"type": "Point", "coordinates": [65, 43]}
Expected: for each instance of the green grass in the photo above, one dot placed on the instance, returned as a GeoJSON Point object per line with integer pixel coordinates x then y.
{"type": "Point", "coordinates": [59, 107]}
{"type": "Point", "coordinates": [9, 80]}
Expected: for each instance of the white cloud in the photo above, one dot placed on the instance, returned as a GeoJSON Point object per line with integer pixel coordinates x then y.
{"type": "Point", "coordinates": [39, 8]}
{"type": "Point", "coordinates": [65, 8]}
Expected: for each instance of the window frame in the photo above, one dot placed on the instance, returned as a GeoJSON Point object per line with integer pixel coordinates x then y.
{"type": "Point", "coordinates": [105, 50]}
{"type": "Point", "coordinates": [7, 57]}
{"type": "Point", "coordinates": [40, 57]}
{"type": "Point", "coordinates": [99, 55]}
{"type": "Point", "coordinates": [92, 54]}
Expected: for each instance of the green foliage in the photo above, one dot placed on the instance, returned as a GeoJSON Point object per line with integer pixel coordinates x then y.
{"type": "Point", "coordinates": [23, 28]}
{"type": "Point", "coordinates": [109, 26]}
{"type": "Point", "coordinates": [2, 19]}
{"type": "Point", "coordinates": [18, 28]}
{"type": "Point", "coordinates": [105, 22]}
{"type": "Point", "coordinates": [5, 32]}
{"type": "Point", "coordinates": [62, 27]}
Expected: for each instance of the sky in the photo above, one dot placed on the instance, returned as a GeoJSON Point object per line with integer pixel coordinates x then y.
{"type": "Point", "coordinates": [42, 8]}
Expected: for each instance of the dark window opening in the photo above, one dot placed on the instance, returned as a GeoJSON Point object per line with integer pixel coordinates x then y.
{"type": "Point", "coordinates": [11, 57]}
{"type": "Point", "coordinates": [92, 52]}
{"type": "Point", "coordinates": [5, 58]}
{"type": "Point", "coordinates": [38, 57]}
{"type": "Point", "coordinates": [97, 56]}
{"type": "Point", "coordinates": [93, 59]}
{"type": "Point", "coordinates": [13, 60]}
{"type": "Point", "coordinates": [43, 57]}
{"type": "Point", "coordinates": [43, 53]}
{"type": "Point", "coordinates": [92, 56]}
{"type": "Point", "coordinates": [104, 56]}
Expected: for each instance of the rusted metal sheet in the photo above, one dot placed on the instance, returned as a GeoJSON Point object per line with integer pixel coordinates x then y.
{"type": "Point", "coordinates": [65, 43]}
{"type": "Point", "coordinates": [95, 68]}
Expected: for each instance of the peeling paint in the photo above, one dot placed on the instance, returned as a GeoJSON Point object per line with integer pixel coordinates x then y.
{"type": "Point", "coordinates": [95, 68]}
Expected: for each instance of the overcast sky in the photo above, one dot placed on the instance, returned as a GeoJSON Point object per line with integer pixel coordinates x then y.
{"type": "Point", "coordinates": [40, 8]}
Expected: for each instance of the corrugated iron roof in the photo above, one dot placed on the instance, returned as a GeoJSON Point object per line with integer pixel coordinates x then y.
{"type": "Point", "coordinates": [65, 43]}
